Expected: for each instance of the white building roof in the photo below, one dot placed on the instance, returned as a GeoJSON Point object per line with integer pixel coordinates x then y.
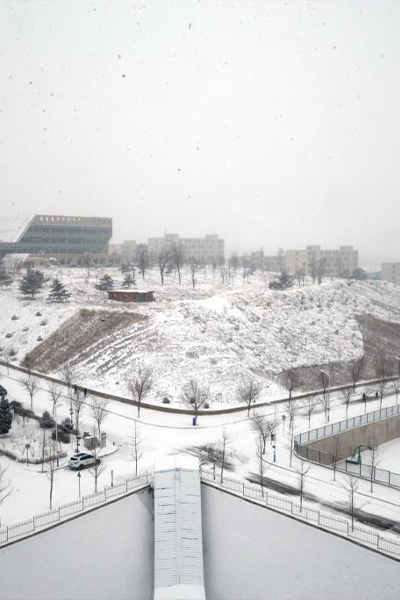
{"type": "Point", "coordinates": [178, 541]}
{"type": "Point", "coordinates": [14, 261]}
{"type": "Point", "coordinates": [11, 230]}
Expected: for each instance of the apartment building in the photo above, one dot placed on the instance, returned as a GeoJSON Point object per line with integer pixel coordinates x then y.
{"type": "Point", "coordinates": [207, 249]}
{"type": "Point", "coordinates": [126, 250]}
{"type": "Point", "coordinates": [314, 260]}
{"type": "Point", "coordinates": [391, 272]}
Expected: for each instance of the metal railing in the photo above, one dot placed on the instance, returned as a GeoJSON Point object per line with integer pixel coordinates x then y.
{"type": "Point", "coordinates": [330, 522]}
{"type": "Point", "coordinates": [60, 513]}
{"type": "Point", "coordinates": [327, 459]}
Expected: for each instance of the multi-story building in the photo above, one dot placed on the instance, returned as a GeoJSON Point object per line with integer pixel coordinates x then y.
{"type": "Point", "coordinates": [391, 271]}
{"type": "Point", "coordinates": [207, 249]}
{"type": "Point", "coordinates": [55, 235]}
{"type": "Point", "coordinates": [126, 250]}
{"type": "Point", "coordinates": [314, 260]}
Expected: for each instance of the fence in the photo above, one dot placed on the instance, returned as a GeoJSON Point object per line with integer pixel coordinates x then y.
{"type": "Point", "coordinates": [56, 515]}
{"type": "Point", "coordinates": [329, 460]}
{"type": "Point", "coordinates": [330, 522]}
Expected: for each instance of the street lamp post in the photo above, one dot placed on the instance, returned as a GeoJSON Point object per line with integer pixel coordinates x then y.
{"type": "Point", "coordinates": [79, 484]}
{"type": "Point", "coordinates": [78, 437]}
{"type": "Point", "coordinates": [274, 449]}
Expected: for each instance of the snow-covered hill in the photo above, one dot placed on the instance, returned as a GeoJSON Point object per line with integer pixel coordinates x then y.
{"type": "Point", "coordinates": [216, 333]}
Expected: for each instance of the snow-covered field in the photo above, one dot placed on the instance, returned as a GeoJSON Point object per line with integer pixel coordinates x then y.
{"type": "Point", "coordinates": [164, 434]}
{"type": "Point", "coordinates": [217, 333]}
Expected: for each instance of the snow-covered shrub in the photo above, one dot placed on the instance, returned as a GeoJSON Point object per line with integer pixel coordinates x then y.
{"type": "Point", "coordinates": [38, 314]}
{"type": "Point", "coordinates": [8, 335]}
{"type": "Point", "coordinates": [43, 323]}
{"type": "Point", "coordinates": [14, 318]}
{"type": "Point", "coordinates": [62, 436]}
{"type": "Point", "coordinates": [166, 401]}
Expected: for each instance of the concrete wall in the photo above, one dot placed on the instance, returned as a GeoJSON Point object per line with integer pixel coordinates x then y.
{"type": "Point", "coordinates": [345, 442]}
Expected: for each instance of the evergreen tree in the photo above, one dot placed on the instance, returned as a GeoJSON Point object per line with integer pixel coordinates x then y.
{"type": "Point", "coordinates": [47, 421]}
{"type": "Point", "coordinates": [129, 280]}
{"type": "Point", "coordinates": [284, 282]}
{"type": "Point", "coordinates": [105, 283]}
{"type": "Point", "coordinates": [5, 278]}
{"type": "Point", "coordinates": [5, 416]}
{"type": "Point", "coordinates": [58, 292]}
{"type": "Point", "coordinates": [31, 283]}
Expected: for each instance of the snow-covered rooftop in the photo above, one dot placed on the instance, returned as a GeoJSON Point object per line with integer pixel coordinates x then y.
{"type": "Point", "coordinates": [12, 229]}
{"type": "Point", "coordinates": [178, 540]}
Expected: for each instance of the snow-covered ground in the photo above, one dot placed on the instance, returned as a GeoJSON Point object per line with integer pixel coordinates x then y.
{"type": "Point", "coordinates": [165, 434]}
{"type": "Point", "coordinates": [216, 333]}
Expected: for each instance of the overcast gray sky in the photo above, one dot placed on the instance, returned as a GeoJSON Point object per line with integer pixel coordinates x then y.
{"type": "Point", "coordinates": [270, 123]}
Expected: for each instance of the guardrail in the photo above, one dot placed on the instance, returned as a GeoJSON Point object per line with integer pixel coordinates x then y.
{"type": "Point", "coordinates": [327, 459]}
{"type": "Point", "coordinates": [329, 522]}
{"type": "Point", "coordinates": [63, 512]}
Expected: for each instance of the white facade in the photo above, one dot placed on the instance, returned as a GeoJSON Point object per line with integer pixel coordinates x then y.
{"type": "Point", "coordinates": [209, 248]}
{"type": "Point", "coordinates": [391, 272]}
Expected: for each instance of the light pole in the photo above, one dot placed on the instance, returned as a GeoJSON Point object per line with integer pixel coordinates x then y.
{"type": "Point", "coordinates": [79, 484]}
{"type": "Point", "coordinates": [274, 449]}
{"type": "Point", "coordinates": [78, 437]}
{"type": "Point", "coordinates": [324, 391]}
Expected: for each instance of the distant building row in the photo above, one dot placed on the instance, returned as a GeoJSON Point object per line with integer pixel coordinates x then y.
{"type": "Point", "coordinates": [207, 249]}
{"type": "Point", "coordinates": [312, 261]}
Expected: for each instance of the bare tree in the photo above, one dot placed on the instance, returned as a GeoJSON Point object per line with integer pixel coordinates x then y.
{"type": "Point", "coordinates": [356, 369]}
{"type": "Point", "coordinates": [309, 408]}
{"type": "Point", "coordinates": [178, 258]}
{"type": "Point", "coordinates": [374, 462]}
{"type": "Point", "coordinates": [68, 374]}
{"type": "Point", "coordinates": [5, 486]}
{"type": "Point", "coordinates": [54, 392]}
{"type": "Point", "coordinates": [396, 387]}
{"type": "Point", "coordinates": [381, 367]}
{"type": "Point", "coordinates": [140, 386]}
{"type": "Point", "coordinates": [137, 442]}
{"type": "Point", "coordinates": [31, 384]}
{"type": "Point", "coordinates": [98, 468]}
{"type": "Point", "coordinates": [248, 391]}
{"type": "Point", "coordinates": [262, 428]}
{"type": "Point", "coordinates": [335, 456]}
{"type": "Point", "coordinates": [195, 396]}
{"type": "Point", "coordinates": [290, 380]}
{"type": "Point", "coordinates": [194, 266]}
{"type": "Point", "coordinates": [260, 462]}
{"type": "Point", "coordinates": [142, 258]}
{"type": "Point", "coordinates": [351, 488]}
{"type": "Point", "coordinates": [302, 473]}
{"type": "Point", "coordinates": [325, 402]}
{"type": "Point", "coordinates": [163, 259]}
{"type": "Point", "coordinates": [225, 440]}
{"type": "Point", "coordinates": [291, 408]}
{"type": "Point", "coordinates": [99, 410]}
{"type": "Point", "coordinates": [51, 471]}
{"type": "Point", "coordinates": [78, 404]}
{"type": "Point", "coordinates": [346, 395]}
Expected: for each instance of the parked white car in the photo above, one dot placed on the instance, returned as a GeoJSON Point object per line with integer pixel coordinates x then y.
{"type": "Point", "coordinates": [82, 460]}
